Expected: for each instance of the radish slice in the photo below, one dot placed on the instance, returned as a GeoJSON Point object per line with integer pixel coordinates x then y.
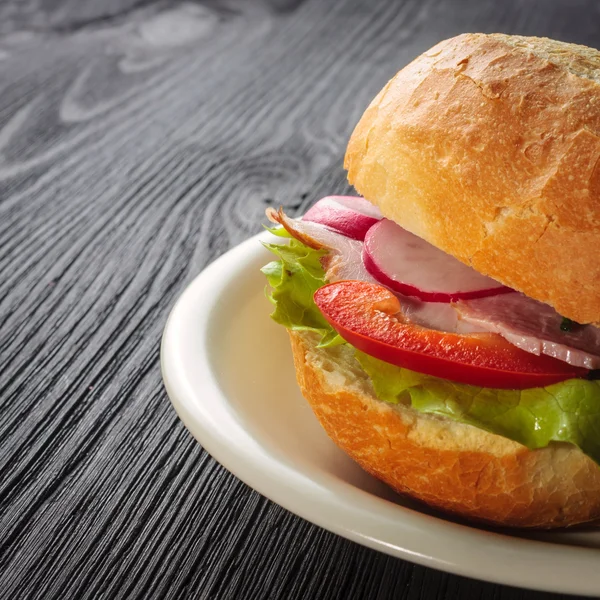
{"type": "Point", "coordinates": [348, 215]}
{"type": "Point", "coordinates": [411, 266]}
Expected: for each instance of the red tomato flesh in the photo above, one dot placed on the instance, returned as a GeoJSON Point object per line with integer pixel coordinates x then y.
{"type": "Point", "coordinates": [369, 317]}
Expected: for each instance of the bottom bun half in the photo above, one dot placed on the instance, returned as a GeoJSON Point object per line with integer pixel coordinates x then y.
{"type": "Point", "coordinates": [448, 465]}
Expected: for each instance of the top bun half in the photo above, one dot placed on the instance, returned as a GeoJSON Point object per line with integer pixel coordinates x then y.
{"type": "Point", "coordinates": [488, 147]}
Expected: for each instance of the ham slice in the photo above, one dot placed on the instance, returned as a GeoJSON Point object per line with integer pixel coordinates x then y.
{"type": "Point", "coordinates": [534, 327]}
{"type": "Point", "coordinates": [345, 258]}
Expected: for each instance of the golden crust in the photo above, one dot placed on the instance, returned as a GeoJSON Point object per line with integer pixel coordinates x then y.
{"type": "Point", "coordinates": [488, 146]}
{"type": "Point", "coordinates": [451, 466]}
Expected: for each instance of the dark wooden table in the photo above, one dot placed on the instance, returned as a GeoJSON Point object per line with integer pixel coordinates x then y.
{"type": "Point", "coordinates": [138, 141]}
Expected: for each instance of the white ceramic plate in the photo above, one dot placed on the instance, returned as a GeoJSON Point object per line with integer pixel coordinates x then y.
{"type": "Point", "coordinates": [228, 371]}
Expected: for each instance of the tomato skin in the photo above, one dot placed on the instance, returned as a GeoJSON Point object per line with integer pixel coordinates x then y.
{"type": "Point", "coordinates": [368, 316]}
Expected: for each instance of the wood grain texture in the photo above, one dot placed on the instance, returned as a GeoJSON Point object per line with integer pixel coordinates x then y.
{"type": "Point", "coordinates": [138, 141]}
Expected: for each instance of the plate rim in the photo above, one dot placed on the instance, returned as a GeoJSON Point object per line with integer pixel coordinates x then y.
{"type": "Point", "coordinates": [549, 559]}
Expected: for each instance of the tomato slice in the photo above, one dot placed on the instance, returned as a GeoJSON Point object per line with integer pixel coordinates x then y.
{"type": "Point", "coordinates": [369, 317]}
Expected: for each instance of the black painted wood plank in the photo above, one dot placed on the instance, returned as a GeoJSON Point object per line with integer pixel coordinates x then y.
{"type": "Point", "coordinates": [138, 141]}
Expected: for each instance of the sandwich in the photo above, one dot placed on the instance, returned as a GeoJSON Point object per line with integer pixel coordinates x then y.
{"type": "Point", "coordinates": [445, 322]}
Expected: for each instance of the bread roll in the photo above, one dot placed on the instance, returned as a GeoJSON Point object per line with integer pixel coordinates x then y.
{"type": "Point", "coordinates": [488, 147]}
{"type": "Point", "coordinates": [454, 467]}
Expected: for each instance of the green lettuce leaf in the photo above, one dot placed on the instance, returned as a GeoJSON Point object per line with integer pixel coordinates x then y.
{"type": "Point", "coordinates": [563, 412]}
{"type": "Point", "coordinates": [293, 279]}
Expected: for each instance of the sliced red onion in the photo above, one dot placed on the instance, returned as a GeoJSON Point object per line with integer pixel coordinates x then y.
{"type": "Point", "coordinates": [411, 266]}
{"type": "Point", "coordinates": [351, 216]}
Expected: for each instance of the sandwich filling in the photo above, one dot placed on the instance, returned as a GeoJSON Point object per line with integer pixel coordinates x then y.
{"type": "Point", "coordinates": [436, 290]}
{"type": "Point", "coordinates": [470, 309]}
